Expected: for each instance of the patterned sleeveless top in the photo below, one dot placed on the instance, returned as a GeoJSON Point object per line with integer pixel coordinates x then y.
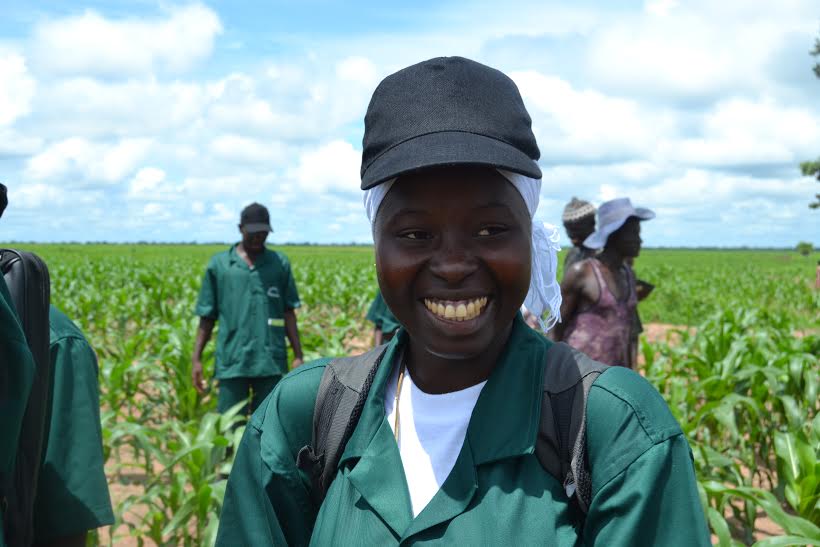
{"type": "Point", "coordinates": [602, 331]}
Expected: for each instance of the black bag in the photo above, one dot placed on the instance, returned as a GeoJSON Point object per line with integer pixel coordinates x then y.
{"type": "Point", "coordinates": [561, 444]}
{"type": "Point", "coordinates": [28, 281]}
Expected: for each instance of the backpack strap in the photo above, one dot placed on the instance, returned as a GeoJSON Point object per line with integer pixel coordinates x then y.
{"type": "Point", "coordinates": [28, 281]}
{"type": "Point", "coordinates": [561, 443]}
{"type": "Point", "coordinates": [342, 392]}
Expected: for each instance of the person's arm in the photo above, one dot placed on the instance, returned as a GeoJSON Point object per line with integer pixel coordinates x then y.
{"type": "Point", "coordinates": [644, 490]}
{"type": "Point", "coordinates": [571, 287]}
{"type": "Point", "coordinates": [643, 289]}
{"type": "Point", "coordinates": [267, 498]}
{"type": "Point", "coordinates": [207, 308]}
{"type": "Point", "coordinates": [292, 332]}
{"type": "Point", "coordinates": [203, 334]}
{"type": "Point", "coordinates": [72, 491]}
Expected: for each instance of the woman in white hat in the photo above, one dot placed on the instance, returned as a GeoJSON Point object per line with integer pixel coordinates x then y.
{"type": "Point", "coordinates": [599, 297]}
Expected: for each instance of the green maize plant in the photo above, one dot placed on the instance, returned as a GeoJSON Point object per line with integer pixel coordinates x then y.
{"type": "Point", "coordinates": [739, 372]}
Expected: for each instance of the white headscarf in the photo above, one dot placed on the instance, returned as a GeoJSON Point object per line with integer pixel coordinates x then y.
{"type": "Point", "coordinates": [545, 292]}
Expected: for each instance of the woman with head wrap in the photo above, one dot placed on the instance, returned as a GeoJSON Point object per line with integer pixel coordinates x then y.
{"type": "Point", "coordinates": [579, 222]}
{"type": "Point", "coordinates": [444, 449]}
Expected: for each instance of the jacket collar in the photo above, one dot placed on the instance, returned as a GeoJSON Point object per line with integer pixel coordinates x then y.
{"type": "Point", "coordinates": [504, 424]}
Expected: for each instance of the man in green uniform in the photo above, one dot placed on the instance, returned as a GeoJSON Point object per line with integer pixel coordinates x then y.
{"type": "Point", "coordinates": [72, 492]}
{"type": "Point", "coordinates": [16, 376]}
{"type": "Point", "coordinates": [385, 323]}
{"type": "Point", "coordinates": [250, 290]}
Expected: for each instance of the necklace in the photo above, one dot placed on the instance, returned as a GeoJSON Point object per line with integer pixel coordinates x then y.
{"type": "Point", "coordinates": [396, 404]}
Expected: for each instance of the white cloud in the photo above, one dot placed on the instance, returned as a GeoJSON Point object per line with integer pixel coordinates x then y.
{"type": "Point", "coordinates": [96, 162]}
{"type": "Point", "coordinates": [154, 209]}
{"type": "Point", "coordinates": [17, 87]}
{"type": "Point", "coordinates": [91, 107]}
{"type": "Point", "coordinates": [13, 143]}
{"type": "Point", "coordinates": [146, 183]}
{"type": "Point", "coordinates": [92, 44]}
{"type": "Point", "coordinates": [36, 195]}
{"type": "Point", "coordinates": [744, 132]}
{"type": "Point", "coordinates": [334, 165]}
{"type": "Point", "coordinates": [223, 213]}
{"type": "Point", "coordinates": [198, 207]}
{"type": "Point", "coordinates": [575, 124]}
{"type": "Point", "coordinates": [659, 7]}
{"type": "Point", "coordinates": [247, 150]}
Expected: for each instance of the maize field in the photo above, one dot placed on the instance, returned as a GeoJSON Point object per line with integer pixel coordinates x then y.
{"type": "Point", "coordinates": [738, 366]}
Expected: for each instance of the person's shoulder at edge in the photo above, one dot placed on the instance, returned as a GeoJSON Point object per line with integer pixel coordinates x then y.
{"type": "Point", "coordinates": [279, 255]}
{"type": "Point", "coordinates": [578, 270]}
{"type": "Point", "coordinates": [290, 404]}
{"type": "Point", "coordinates": [627, 416]}
{"type": "Point", "coordinates": [61, 326]}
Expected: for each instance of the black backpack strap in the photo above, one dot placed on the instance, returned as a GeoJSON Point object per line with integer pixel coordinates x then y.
{"type": "Point", "coordinates": [342, 392]}
{"type": "Point", "coordinates": [561, 444]}
{"type": "Point", "coordinates": [27, 278]}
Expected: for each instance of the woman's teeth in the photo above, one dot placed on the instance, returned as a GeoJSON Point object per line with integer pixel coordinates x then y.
{"type": "Point", "coordinates": [459, 310]}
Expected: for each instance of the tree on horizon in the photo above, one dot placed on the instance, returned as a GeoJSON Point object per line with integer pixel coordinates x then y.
{"type": "Point", "coordinates": [812, 168]}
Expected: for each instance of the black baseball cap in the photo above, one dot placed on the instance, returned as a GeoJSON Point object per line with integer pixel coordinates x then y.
{"type": "Point", "coordinates": [255, 218]}
{"type": "Point", "coordinates": [446, 111]}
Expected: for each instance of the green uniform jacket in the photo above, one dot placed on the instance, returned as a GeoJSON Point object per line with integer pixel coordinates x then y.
{"type": "Point", "coordinates": [16, 376]}
{"type": "Point", "coordinates": [381, 316]}
{"type": "Point", "coordinates": [250, 305]}
{"type": "Point", "coordinates": [72, 492]}
{"type": "Point", "coordinates": [643, 482]}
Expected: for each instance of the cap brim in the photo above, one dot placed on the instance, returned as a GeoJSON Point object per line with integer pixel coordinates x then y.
{"type": "Point", "coordinates": [448, 148]}
{"type": "Point", "coordinates": [257, 227]}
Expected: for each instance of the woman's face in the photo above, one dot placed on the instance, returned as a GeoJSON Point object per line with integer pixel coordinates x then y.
{"type": "Point", "coordinates": [453, 257]}
{"type": "Point", "coordinates": [627, 239]}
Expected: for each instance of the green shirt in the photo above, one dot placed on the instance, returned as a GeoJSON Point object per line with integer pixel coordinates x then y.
{"type": "Point", "coordinates": [250, 304]}
{"type": "Point", "coordinates": [643, 483]}
{"type": "Point", "coordinates": [16, 376]}
{"type": "Point", "coordinates": [381, 316]}
{"type": "Point", "coordinates": [72, 491]}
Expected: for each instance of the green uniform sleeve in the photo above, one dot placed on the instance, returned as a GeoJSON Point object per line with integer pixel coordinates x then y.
{"type": "Point", "coordinates": [72, 491]}
{"type": "Point", "coordinates": [267, 499]}
{"type": "Point", "coordinates": [374, 313]}
{"type": "Point", "coordinates": [207, 304]}
{"type": "Point", "coordinates": [291, 298]}
{"type": "Point", "coordinates": [644, 490]}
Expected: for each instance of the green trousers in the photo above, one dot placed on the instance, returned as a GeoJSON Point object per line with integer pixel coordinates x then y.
{"type": "Point", "coordinates": [234, 390]}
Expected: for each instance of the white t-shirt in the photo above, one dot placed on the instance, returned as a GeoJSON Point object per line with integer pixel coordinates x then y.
{"type": "Point", "coordinates": [432, 429]}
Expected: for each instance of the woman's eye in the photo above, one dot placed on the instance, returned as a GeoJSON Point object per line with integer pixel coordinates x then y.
{"type": "Point", "coordinates": [415, 234]}
{"type": "Point", "coordinates": [490, 230]}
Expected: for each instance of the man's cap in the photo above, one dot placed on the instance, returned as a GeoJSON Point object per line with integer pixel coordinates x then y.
{"type": "Point", "coordinates": [255, 218]}
{"type": "Point", "coordinates": [446, 111]}
{"type": "Point", "coordinates": [577, 209]}
{"type": "Point", "coordinates": [611, 216]}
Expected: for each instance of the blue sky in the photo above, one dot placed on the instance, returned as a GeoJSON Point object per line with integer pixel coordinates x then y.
{"type": "Point", "coordinates": [143, 120]}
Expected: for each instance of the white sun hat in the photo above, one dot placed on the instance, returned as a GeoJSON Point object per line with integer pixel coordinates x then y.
{"type": "Point", "coordinates": [611, 216]}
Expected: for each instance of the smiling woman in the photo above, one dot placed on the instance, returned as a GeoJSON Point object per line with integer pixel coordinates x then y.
{"type": "Point", "coordinates": [447, 440]}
